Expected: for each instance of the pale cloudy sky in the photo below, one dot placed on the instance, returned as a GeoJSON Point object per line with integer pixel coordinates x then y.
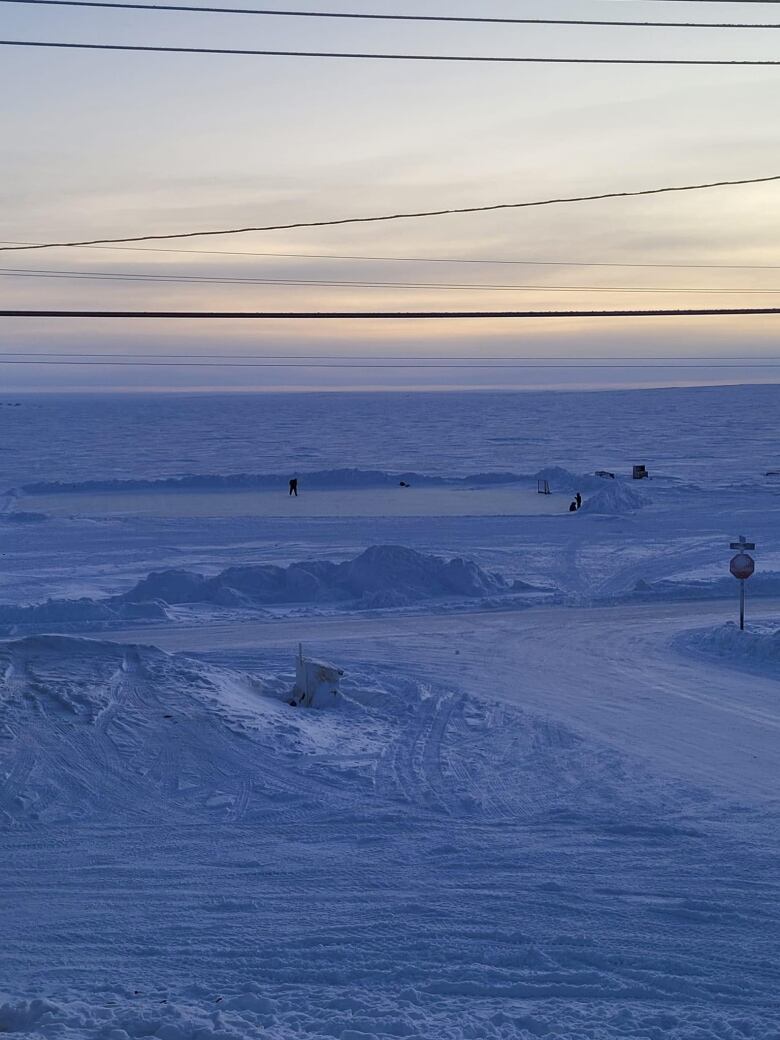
{"type": "Point", "coordinates": [98, 144]}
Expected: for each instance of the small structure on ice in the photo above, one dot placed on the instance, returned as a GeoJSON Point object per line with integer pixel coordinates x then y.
{"type": "Point", "coordinates": [605, 474]}
{"type": "Point", "coordinates": [543, 487]}
{"type": "Point", "coordinates": [316, 682]}
{"type": "Point", "coordinates": [640, 473]}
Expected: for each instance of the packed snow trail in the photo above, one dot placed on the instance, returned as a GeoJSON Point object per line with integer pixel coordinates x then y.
{"type": "Point", "coordinates": [610, 672]}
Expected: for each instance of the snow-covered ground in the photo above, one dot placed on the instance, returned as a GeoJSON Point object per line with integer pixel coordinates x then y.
{"type": "Point", "coordinates": [546, 803]}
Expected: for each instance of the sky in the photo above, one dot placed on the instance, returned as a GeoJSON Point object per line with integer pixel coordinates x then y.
{"type": "Point", "coordinates": [102, 144]}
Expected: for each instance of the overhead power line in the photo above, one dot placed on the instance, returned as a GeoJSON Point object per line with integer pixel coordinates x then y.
{"type": "Point", "coordinates": [495, 207]}
{"type": "Point", "coordinates": [471, 19]}
{"type": "Point", "coordinates": [703, 358]}
{"type": "Point", "coordinates": [754, 2]}
{"type": "Point", "coordinates": [395, 315]}
{"type": "Point", "coordinates": [522, 60]}
{"type": "Point", "coordinates": [396, 365]}
{"type": "Point", "coordinates": [425, 259]}
{"type": "Point", "coordinates": [362, 284]}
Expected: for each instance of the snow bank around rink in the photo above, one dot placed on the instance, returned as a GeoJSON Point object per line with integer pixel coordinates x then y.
{"type": "Point", "coordinates": [756, 649]}
{"type": "Point", "coordinates": [615, 500]}
{"type": "Point", "coordinates": [382, 576]}
{"type": "Point", "coordinates": [319, 480]}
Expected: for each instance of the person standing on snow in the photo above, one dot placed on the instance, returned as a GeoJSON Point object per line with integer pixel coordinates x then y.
{"type": "Point", "coordinates": [578, 499]}
{"type": "Point", "coordinates": [294, 486]}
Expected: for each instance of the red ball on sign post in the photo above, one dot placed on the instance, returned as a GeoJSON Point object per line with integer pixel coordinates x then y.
{"type": "Point", "coordinates": [742, 566]}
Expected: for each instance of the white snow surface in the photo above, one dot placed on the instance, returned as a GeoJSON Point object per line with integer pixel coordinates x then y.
{"type": "Point", "coordinates": [757, 648]}
{"type": "Point", "coordinates": [546, 802]}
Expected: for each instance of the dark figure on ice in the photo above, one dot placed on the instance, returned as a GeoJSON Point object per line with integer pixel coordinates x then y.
{"type": "Point", "coordinates": [578, 499]}
{"type": "Point", "coordinates": [573, 507]}
{"type": "Point", "coordinates": [294, 486]}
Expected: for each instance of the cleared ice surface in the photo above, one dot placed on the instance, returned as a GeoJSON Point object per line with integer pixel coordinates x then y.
{"type": "Point", "coordinates": [372, 502]}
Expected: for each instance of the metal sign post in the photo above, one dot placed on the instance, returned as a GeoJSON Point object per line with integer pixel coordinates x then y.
{"type": "Point", "coordinates": [742, 566]}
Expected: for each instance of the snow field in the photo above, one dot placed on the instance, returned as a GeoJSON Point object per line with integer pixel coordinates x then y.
{"type": "Point", "coordinates": [199, 860]}
{"type": "Point", "coordinates": [533, 813]}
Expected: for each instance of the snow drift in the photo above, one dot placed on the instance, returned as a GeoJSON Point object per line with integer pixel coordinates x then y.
{"type": "Point", "coordinates": [382, 576]}
{"type": "Point", "coordinates": [756, 649]}
{"type": "Point", "coordinates": [76, 613]}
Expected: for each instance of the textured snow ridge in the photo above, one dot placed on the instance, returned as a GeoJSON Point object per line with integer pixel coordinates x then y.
{"type": "Point", "coordinates": [75, 613]}
{"type": "Point", "coordinates": [366, 1014]}
{"type": "Point", "coordinates": [756, 649]}
{"type": "Point", "coordinates": [419, 864]}
{"type": "Point", "coordinates": [384, 575]}
{"type": "Point", "coordinates": [381, 577]}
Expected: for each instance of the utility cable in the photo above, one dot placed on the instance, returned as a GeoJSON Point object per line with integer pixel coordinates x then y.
{"type": "Point", "coordinates": [425, 259]}
{"type": "Point", "coordinates": [703, 358]}
{"type": "Point", "coordinates": [394, 315]}
{"type": "Point", "coordinates": [350, 15]}
{"type": "Point", "coordinates": [363, 284]}
{"type": "Point", "coordinates": [396, 365]}
{"type": "Point", "coordinates": [399, 216]}
{"type": "Point", "coordinates": [524, 60]}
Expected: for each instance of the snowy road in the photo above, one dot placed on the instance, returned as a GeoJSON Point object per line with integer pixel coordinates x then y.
{"type": "Point", "coordinates": [610, 673]}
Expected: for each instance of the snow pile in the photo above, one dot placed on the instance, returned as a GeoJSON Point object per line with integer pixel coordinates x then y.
{"type": "Point", "coordinates": [29, 1016]}
{"type": "Point", "coordinates": [382, 576]}
{"type": "Point", "coordinates": [72, 614]}
{"type": "Point", "coordinates": [92, 728]}
{"type": "Point", "coordinates": [615, 500]}
{"type": "Point", "coordinates": [755, 648]}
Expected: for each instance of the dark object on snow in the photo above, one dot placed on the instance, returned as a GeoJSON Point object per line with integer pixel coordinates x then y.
{"type": "Point", "coordinates": [640, 473]}
{"type": "Point", "coordinates": [294, 486]}
{"type": "Point", "coordinates": [542, 487]}
{"type": "Point", "coordinates": [402, 483]}
{"type": "Point", "coordinates": [605, 473]}
{"type": "Point", "coordinates": [578, 499]}
{"type": "Point", "coordinates": [573, 507]}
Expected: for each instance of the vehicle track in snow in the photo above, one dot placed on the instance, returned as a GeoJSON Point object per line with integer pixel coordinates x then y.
{"type": "Point", "coordinates": [611, 673]}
